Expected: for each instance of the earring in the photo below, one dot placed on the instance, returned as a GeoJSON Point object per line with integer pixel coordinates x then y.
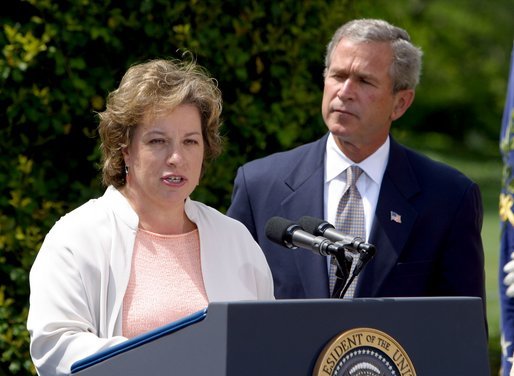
{"type": "Point", "coordinates": [126, 170]}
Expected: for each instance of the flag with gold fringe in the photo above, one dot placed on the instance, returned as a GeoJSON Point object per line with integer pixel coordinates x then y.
{"type": "Point", "coordinates": [506, 272]}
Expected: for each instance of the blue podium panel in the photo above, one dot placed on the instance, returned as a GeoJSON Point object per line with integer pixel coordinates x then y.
{"type": "Point", "coordinates": [138, 341]}
{"type": "Point", "coordinates": [436, 336]}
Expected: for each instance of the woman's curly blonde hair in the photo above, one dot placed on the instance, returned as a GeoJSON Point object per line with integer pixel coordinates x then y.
{"type": "Point", "coordinates": [156, 88]}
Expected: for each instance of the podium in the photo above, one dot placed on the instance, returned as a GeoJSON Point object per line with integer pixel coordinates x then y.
{"type": "Point", "coordinates": [433, 336]}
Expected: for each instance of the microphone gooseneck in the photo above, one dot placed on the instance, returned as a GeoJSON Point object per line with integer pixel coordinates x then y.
{"type": "Point", "coordinates": [289, 234]}
{"type": "Point", "coordinates": [323, 228]}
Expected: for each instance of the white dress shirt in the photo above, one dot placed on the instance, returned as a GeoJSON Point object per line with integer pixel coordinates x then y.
{"type": "Point", "coordinates": [368, 183]}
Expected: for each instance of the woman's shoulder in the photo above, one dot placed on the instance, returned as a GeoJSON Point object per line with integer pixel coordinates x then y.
{"type": "Point", "coordinates": [92, 217]}
{"type": "Point", "coordinates": [216, 222]}
{"type": "Point", "coordinates": [88, 213]}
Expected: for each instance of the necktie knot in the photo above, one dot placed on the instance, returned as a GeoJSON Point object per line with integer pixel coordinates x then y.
{"type": "Point", "coordinates": [352, 175]}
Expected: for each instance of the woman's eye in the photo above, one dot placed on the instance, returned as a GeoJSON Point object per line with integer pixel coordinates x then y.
{"type": "Point", "coordinates": [157, 141]}
{"type": "Point", "coordinates": [191, 142]}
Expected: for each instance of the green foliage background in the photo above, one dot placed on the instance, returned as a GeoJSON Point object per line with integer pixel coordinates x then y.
{"type": "Point", "coordinates": [60, 59]}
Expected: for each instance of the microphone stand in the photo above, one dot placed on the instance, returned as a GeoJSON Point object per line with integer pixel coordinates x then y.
{"type": "Point", "coordinates": [366, 253]}
{"type": "Point", "coordinates": [344, 265]}
{"type": "Point", "coordinates": [346, 286]}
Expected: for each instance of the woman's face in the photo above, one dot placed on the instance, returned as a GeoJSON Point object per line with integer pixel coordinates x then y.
{"type": "Point", "coordinates": [165, 159]}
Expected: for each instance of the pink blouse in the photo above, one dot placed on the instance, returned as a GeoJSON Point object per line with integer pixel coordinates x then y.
{"type": "Point", "coordinates": [165, 282]}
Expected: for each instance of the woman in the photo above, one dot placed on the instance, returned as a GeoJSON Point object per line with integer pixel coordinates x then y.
{"type": "Point", "coordinates": [144, 254]}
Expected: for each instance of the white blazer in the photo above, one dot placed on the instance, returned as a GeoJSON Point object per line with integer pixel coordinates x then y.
{"type": "Point", "coordinates": [81, 272]}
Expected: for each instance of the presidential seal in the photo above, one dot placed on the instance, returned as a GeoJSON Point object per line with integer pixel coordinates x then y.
{"type": "Point", "coordinates": [363, 352]}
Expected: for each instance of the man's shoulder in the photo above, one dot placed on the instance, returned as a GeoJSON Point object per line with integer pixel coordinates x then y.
{"type": "Point", "coordinates": [433, 169]}
{"type": "Point", "coordinates": [278, 160]}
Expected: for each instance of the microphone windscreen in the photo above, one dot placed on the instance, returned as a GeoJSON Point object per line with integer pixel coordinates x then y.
{"type": "Point", "coordinates": [311, 224]}
{"type": "Point", "coordinates": [276, 229]}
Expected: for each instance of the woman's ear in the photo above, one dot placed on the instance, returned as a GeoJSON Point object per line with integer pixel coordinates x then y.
{"type": "Point", "coordinates": [126, 155]}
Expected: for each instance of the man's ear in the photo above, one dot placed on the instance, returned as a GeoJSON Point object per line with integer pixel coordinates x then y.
{"type": "Point", "coordinates": [402, 101]}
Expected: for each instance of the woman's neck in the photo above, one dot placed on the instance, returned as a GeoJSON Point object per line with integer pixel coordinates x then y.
{"type": "Point", "coordinates": [168, 224]}
{"type": "Point", "coordinates": [169, 220]}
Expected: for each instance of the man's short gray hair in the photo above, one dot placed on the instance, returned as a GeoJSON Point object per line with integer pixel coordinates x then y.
{"type": "Point", "coordinates": [406, 66]}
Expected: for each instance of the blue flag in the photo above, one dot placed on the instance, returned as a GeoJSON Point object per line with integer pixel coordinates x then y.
{"type": "Point", "coordinates": [507, 224]}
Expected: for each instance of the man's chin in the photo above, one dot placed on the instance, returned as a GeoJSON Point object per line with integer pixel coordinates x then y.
{"type": "Point", "coordinates": [340, 130]}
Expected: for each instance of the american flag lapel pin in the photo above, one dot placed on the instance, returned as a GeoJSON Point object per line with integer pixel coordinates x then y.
{"type": "Point", "coordinates": [395, 217]}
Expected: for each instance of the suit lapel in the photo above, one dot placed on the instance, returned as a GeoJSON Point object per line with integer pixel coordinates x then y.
{"type": "Point", "coordinates": [305, 182]}
{"type": "Point", "coordinates": [393, 222]}
{"type": "Point", "coordinates": [306, 198]}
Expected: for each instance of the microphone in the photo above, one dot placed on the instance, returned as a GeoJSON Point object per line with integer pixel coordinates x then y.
{"type": "Point", "coordinates": [319, 227]}
{"type": "Point", "coordinates": [291, 235]}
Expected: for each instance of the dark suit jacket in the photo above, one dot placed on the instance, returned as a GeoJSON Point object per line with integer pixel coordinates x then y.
{"type": "Point", "coordinates": [436, 250]}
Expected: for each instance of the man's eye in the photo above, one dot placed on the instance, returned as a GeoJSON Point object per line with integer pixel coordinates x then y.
{"type": "Point", "coordinates": [366, 81]}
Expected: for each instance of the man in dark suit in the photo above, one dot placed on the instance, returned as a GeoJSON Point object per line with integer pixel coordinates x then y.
{"type": "Point", "coordinates": [423, 217]}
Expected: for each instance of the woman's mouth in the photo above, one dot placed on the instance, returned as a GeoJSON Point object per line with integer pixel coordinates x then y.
{"type": "Point", "coordinates": [173, 179]}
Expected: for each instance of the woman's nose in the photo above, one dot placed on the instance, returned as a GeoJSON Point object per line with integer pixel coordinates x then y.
{"type": "Point", "coordinates": [175, 155]}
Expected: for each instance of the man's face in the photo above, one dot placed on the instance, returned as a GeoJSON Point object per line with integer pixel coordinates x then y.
{"type": "Point", "coordinates": [358, 104]}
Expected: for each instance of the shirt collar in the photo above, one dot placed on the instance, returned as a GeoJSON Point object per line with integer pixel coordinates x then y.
{"type": "Point", "coordinates": [374, 166]}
